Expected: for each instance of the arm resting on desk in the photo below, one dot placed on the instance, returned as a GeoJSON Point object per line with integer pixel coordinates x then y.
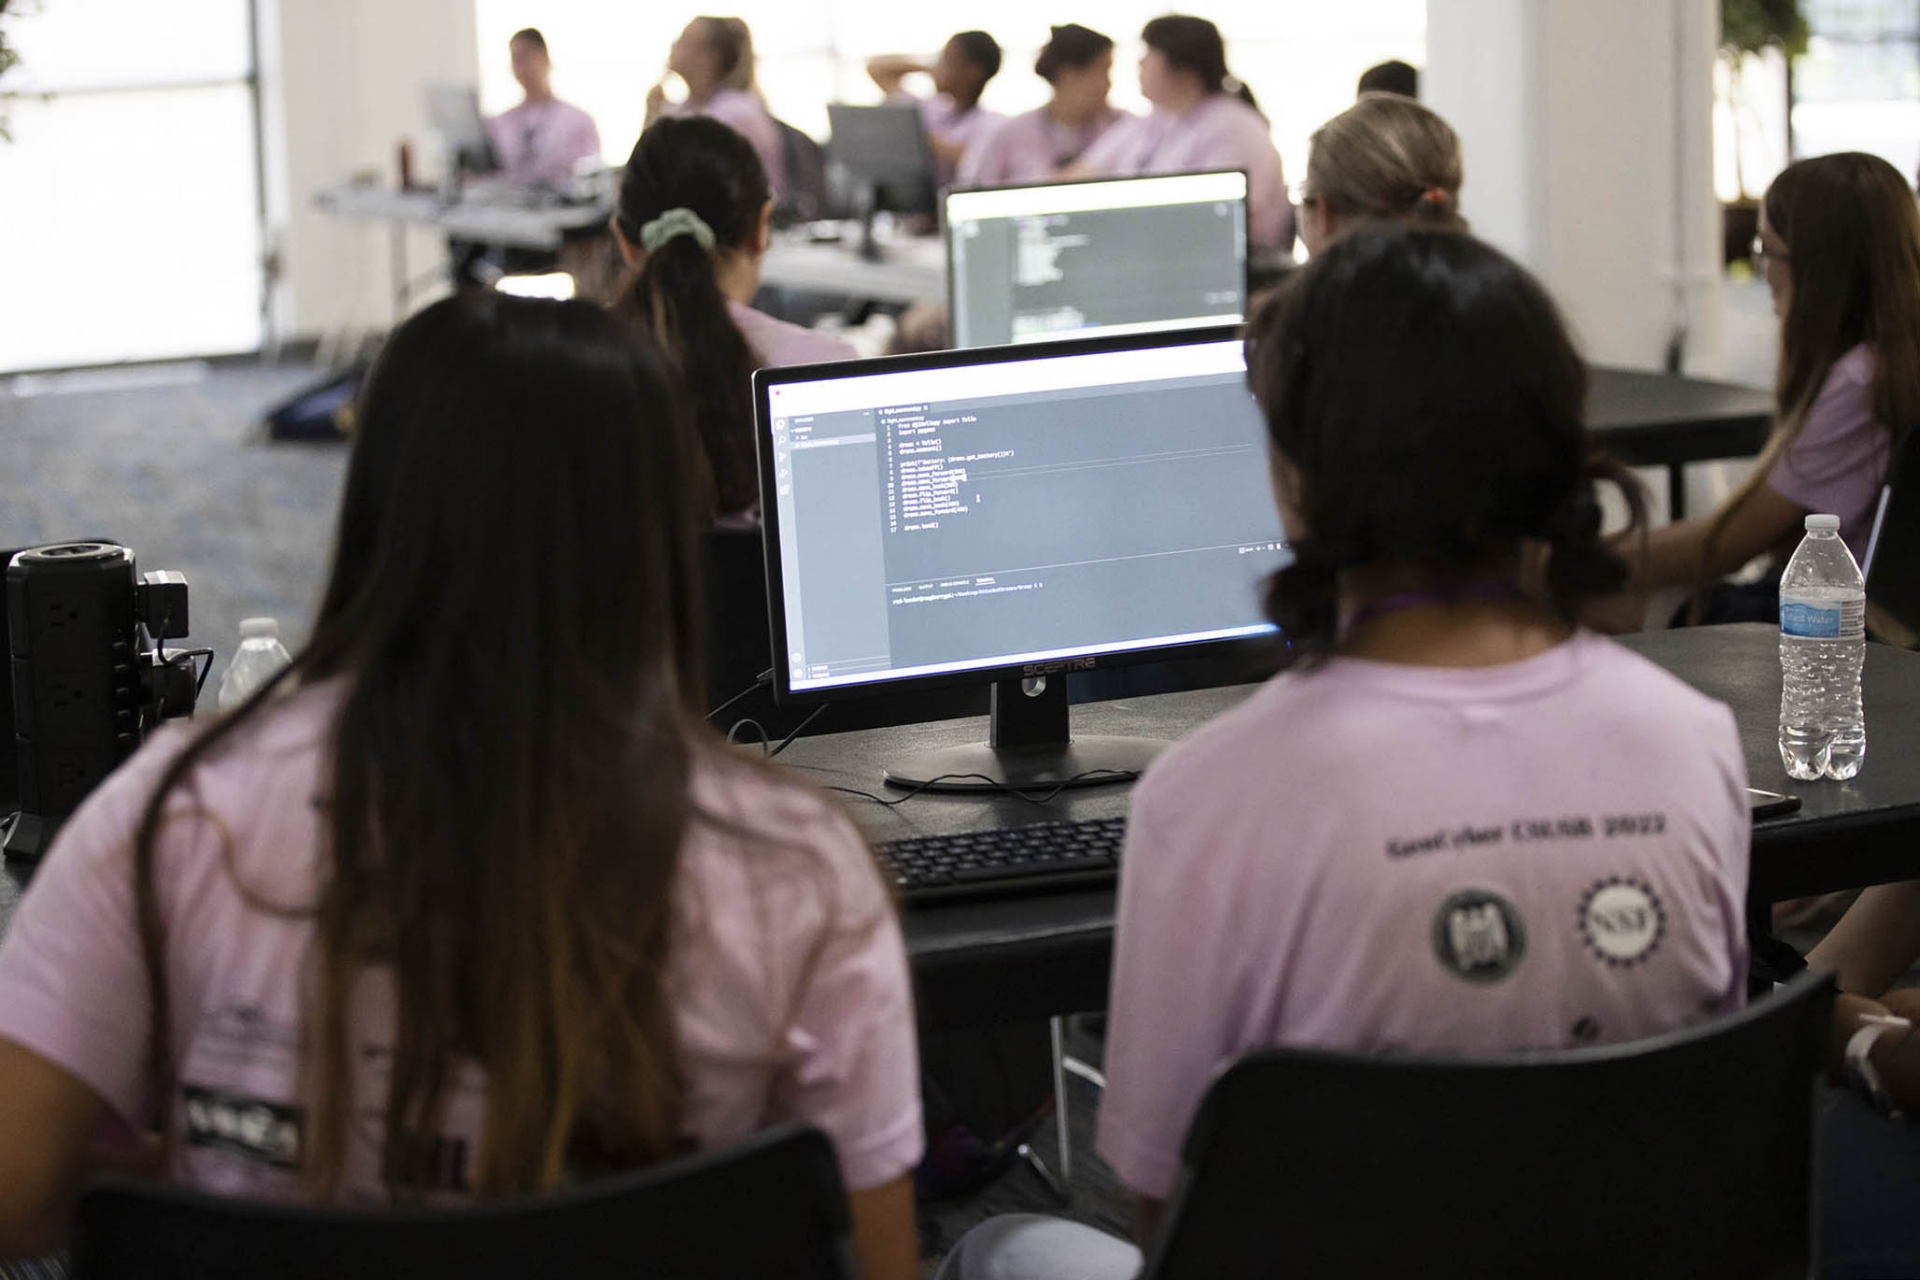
{"type": "Point", "coordinates": [1686, 554]}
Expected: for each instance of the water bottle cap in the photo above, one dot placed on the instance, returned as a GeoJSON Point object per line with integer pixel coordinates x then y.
{"type": "Point", "coordinates": [256, 628]}
{"type": "Point", "coordinates": [1826, 524]}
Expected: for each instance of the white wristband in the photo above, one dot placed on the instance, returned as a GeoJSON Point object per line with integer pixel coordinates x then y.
{"type": "Point", "coordinates": [1860, 1068]}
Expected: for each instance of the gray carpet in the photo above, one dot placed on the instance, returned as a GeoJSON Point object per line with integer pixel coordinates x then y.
{"type": "Point", "coordinates": [180, 473]}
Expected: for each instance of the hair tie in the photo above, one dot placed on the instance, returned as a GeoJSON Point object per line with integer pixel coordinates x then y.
{"type": "Point", "coordinates": [1435, 196]}
{"type": "Point", "coordinates": [674, 223]}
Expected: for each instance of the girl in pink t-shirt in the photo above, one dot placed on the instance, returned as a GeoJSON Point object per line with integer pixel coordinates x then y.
{"type": "Point", "coordinates": [1460, 824]}
{"type": "Point", "coordinates": [1078, 63]}
{"type": "Point", "coordinates": [714, 57]}
{"type": "Point", "coordinates": [694, 224]}
{"type": "Point", "coordinates": [470, 902]}
{"type": "Point", "coordinates": [1840, 245]}
{"type": "Point", "coordinates": [1202, 119]}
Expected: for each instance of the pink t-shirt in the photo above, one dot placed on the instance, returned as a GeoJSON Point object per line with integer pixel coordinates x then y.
{"type": "Point", "coordinates": [778, 343]}
{"type": "Point", "coordinates": [1382, 857]}
{"type": "Point", "coordinates": [1839, 462]}
{"type": "Point", "coordinates": [787, 974]}
{"type": "Point", "coordinates": [542, 141]}
{"type": "Point", "coordinates": [1220, 133]}
{"type": "Point", "coordinates": [947, 121]}
{"type": "Point", "coordinates": [747, 116]}
{"type": "Point", "coordinates": [1030, 148]}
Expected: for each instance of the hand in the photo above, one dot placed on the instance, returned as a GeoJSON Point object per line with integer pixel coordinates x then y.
{"type": "Point", "coordinates": [656, 100]}
{"type": "Point", "coordinates": [1904, 1002]}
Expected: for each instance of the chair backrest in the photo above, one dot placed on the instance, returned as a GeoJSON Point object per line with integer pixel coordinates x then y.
{"type": "Point", "coordinates": [1685, 1155]}
{"type": "Point", "coordinates": [1893, 553]}
{"type": "Point", "coordinates": [771, 1206]}
{"type": "Point", "coordinates": [808, 194]}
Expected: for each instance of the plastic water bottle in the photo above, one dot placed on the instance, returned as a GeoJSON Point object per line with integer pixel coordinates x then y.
{"type": "Point", "coordinates": [260, 656]}
{"type": "Point", "coordinates": [1823, 642]}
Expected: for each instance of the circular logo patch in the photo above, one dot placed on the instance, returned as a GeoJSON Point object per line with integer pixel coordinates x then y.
{"type": "Point", "coordinates": [1478, 935]}
{"type": "Point", "coordinates": [1622, 920]}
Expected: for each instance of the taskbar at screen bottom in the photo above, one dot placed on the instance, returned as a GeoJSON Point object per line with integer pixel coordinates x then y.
{"type": "Point", "coordinates": [1001, 662]}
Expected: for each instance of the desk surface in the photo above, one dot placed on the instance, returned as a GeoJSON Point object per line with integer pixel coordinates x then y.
{"type": "Point", "coordinates": [486, 218]}
{"type": "Point", "coordinates": [982, 962]}
{"type": "Point", "coordinates": [911, 269]}
{"type": "Point", "coordinates": [978, 962]}
{"type": "Point", "coordinates": [1659, 419]}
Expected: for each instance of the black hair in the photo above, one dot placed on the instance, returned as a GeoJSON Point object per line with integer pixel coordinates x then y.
{"type": "Point", "coordinates": [982, 50]}
{"type": "Point", "coordinates": [512, 617]}
{"type": "Point", "coordinates": [1391, 76]}
{"type": "Point", "coordinates": [1423, 389]}
{"type": "Point", "coordinates": [1070, 46]}
{"type": "Point", "coordinates": [529, 35]}
{"type": "Point", "coordinates": [1194, 44]}
{"type": "Point", "coordinates": [697, 163]}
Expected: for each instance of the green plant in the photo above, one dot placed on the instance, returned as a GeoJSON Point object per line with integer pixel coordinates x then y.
{"type": "Point", "coordinates": [8, 57]}
{"type": "Point", "coordinates": [1748, 28]}
{"type": "Point", "coordinates": [1753, 26]}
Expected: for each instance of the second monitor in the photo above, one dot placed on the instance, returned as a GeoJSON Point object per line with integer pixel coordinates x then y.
{"type": "Point", "coordinates": [1091, 259]}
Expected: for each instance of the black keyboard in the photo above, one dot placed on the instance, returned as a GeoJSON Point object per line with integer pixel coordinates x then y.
{"type": "Point", "coordinates": [1017, 861]}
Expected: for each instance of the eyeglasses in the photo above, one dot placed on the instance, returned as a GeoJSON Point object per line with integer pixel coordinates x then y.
{"type": "Point", "coordinates": [1762, 256]}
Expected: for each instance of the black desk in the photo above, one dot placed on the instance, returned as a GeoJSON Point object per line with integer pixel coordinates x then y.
{"type": "Point", "coordinates": [1662, 420]}
{"type": "Point", "coordinates": [985, 962]}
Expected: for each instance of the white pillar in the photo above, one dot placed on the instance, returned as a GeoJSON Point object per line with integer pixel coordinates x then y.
{"type": "Point", "coordinates": [342, 82]}
{"type": "Point", "coordinates": [1587, 129]}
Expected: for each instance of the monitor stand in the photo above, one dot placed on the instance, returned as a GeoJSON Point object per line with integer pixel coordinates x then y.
{"type": "Point", "coordinates": [1030, 746]}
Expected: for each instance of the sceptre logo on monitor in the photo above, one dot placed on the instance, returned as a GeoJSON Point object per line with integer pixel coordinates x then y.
{"type": "Point", "coordinates": [1055, 668]}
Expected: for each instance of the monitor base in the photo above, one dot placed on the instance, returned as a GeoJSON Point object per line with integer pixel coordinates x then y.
{"type": "Point", "coordinates": [1083, 762]}
{"type": "Point", "coordinates": [1030, 747]}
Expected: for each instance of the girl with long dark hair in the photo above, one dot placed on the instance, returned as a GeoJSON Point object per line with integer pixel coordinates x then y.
{"type": "Point", "coordinates": [469, 902]}
{"type": "Point", "coordinates": [694, 223]}
{"type": "Point", "coordinates": [1202, 118]}
{"type": "Point", "coordinates": [1460, 824]}
{"type": "Point", "coordinates": [1840, 247]}
{"type": "Point", "coordinates": [1077, 63]}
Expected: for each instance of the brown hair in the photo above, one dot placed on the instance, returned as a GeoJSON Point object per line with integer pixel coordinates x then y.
{"type": "Point", "coordinates": [1387, 157]}
{"type": "Point", "coordinates": [1194, 44]}
{"type": "Point", "coordinates": [513, 621]}
{"type": "Point", "coordinates": [1853, 258]}
{"type": "Point", "coordinates": [732, 43]}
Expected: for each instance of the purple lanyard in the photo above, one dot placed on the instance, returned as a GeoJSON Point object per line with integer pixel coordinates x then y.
{"type": "Point", "coordinates": [1483, 589]}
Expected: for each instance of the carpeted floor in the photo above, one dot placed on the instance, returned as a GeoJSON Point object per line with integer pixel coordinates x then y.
{"type": "Point", "coordinates": [170, 463]}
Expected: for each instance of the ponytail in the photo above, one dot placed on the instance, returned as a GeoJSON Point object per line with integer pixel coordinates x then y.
{"type": "Point", "coordinates": [1234, 85]}
{"type": "Point", "coordinates": [693, 191]}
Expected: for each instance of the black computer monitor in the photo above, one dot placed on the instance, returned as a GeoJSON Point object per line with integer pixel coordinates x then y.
{"type": "Point", "coordinates": [1007, 516]}
{"type": "Point", "coordinates": [455, 113]}
{"type": "Point", "coordinates": [883, 151]}
{"type": "Point", "coordinates": [1123, 255]}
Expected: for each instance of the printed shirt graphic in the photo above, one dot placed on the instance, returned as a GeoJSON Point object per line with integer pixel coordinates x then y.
{"type": "Point", "coordinates": [788, 976]}
{"type": "Point", "coordinates": [1387, 858]}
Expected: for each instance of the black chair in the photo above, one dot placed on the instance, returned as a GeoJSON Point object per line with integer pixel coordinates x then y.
{"type": "Point", "coordinates": [808, 196]}
{"type": "Point", "coordinates": [1893, 553]}
{"type": "Point", "coordinates": [1686, 1155]}
{"type": "Point", "coordinates": [772, 1206]}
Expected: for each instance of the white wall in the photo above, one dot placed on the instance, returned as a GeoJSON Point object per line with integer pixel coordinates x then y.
{"type": "Point", "coordinates": [1587, 129]}
{"type": "Point", "coordinates": [341, 85]}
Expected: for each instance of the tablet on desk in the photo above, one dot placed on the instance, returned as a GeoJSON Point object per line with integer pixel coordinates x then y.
{"type": "Point", "coordinates": [1771, 804]}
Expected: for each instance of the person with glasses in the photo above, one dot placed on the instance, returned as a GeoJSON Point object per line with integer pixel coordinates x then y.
{"type": "Point", "coordinates": [1839, 245]}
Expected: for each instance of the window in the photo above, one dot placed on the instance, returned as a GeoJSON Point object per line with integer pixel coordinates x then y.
{"type": "Point", "coordinates": [130, 223]}
{"type": "Point", "coordinates": [1301, 57]}
{"type": "Point", "coordinates": [1858, 87]}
